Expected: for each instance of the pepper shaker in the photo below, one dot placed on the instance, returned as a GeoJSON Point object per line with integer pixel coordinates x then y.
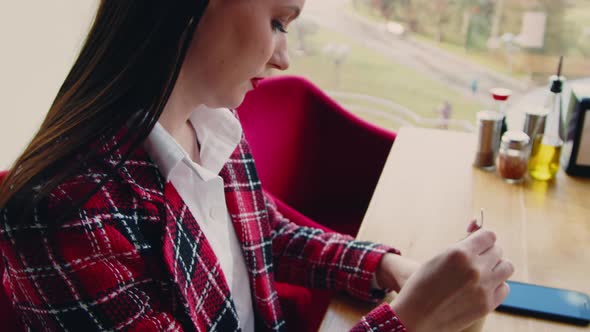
{"type": "Point", "coordinates": [489, 126]}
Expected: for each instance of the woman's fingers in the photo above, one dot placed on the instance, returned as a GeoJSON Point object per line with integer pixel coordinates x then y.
{"type": "Point", "coordinates": [491, 257]}
{"type": "Point", "coordinates": [480, 241]}
{"type": "Point", "coordinates": [503, 270]}
{"type": "Point", "coordinates": [500, 293]}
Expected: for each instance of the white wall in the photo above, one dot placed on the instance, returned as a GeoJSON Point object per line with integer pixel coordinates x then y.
{"type": "Point", "coordinates": [39, 41]}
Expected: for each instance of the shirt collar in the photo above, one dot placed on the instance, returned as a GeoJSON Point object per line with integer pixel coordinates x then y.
{"type": "Point", "coordinates": [219, 132]}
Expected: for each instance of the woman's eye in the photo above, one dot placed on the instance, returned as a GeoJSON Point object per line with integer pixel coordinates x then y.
{"type": "Point", "coordinates": [278, 26]}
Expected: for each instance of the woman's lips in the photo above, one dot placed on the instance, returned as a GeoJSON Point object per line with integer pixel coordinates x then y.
{"type": "Point", "coordinates": [256, 82]}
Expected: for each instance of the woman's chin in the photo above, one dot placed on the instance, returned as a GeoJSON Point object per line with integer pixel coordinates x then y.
{"type": "Point", "coordinates": [235, 103]}
{"type": "Point", "coordinates": [237, 100]}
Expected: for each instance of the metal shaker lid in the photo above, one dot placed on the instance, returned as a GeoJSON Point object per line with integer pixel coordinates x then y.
{"type": "Point", "coordinates": [515, 139]}
{"type": "Point", "coordinates": [489, 116]}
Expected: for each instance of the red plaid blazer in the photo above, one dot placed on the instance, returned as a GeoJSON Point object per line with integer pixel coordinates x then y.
{"type": "Point", "coordinates": [134, 258]}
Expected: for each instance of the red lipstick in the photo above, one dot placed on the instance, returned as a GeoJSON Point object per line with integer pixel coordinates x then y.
{"type": "Point", "coordinates": [256, 82]}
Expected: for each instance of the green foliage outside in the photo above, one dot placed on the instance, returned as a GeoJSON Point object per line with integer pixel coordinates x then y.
{"type": "Point", "coordinates": [470, 22]}
{"type": "Point", "coordinates": [464, 27]}
{"type": "Point", "coordinates": [367, 72]}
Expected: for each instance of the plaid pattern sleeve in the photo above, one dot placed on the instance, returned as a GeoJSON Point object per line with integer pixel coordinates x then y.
{"type": "Point", "coordinates": [380, 319]}
{"type": "Point", "coordinates": [90, 272]}
{"type": "Point", "coordinates": [310, 257]}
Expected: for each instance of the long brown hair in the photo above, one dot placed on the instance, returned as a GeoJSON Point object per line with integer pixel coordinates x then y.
{"type": "Point", "coordinates": [123, 76]}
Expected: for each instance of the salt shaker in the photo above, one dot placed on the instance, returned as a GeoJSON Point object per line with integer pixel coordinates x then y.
{"type": "Point", "coordinates": [489, 126]}
{"type": "Point", "coordinates": [513, 157]}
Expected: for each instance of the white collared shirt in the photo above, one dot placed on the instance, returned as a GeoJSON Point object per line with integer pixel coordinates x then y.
{"type": "Point", "coordinates": [201, 188]}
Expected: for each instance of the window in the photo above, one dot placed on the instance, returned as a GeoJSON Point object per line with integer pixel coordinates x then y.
{"type": "Point", "coordinates": [417, 62]}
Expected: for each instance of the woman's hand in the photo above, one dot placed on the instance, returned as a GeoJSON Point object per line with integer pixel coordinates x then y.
{"type": "Point", "coordinates": [457, 287]}
{"type": "Point", "coordinates": [394, 270]}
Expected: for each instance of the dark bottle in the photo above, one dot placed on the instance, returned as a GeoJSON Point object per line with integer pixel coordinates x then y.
{"type": "Point", "coordinates": [500, 96]}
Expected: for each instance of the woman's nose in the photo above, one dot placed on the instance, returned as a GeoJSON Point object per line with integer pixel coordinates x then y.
{"type": "Point", "coordinates": [280, 58]}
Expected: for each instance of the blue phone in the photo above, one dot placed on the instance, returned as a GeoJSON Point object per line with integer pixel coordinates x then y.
{"type": "Point", "coordinates": [549, 303]}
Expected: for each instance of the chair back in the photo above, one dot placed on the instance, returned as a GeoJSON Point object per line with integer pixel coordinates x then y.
{"type": "Point", "coordinates": [310, 152]}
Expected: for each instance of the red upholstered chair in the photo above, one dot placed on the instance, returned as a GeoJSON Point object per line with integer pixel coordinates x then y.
{"type": "Point", "coordinates": [8, 320]}
{"type": "Point", "coordinates": [319, 162]}
{"type": "Point", "coordinates": [311, 153]}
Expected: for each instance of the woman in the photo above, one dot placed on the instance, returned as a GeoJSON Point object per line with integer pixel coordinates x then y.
{"type": "Point", "coordinates": [137, 205]}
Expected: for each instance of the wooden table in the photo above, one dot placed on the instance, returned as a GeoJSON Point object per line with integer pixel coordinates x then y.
{"type": "Point", "coordinates": [429, 190]}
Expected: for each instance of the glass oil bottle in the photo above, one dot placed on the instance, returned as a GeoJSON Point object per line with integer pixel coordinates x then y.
{"type": "Point", "coordinates": [545, 155]}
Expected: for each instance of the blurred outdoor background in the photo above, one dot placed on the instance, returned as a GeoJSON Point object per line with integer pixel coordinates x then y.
{"type": "Point", "coordinates": [393, 62]}
{"type": "Point", "coordinates": [412, 62]}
